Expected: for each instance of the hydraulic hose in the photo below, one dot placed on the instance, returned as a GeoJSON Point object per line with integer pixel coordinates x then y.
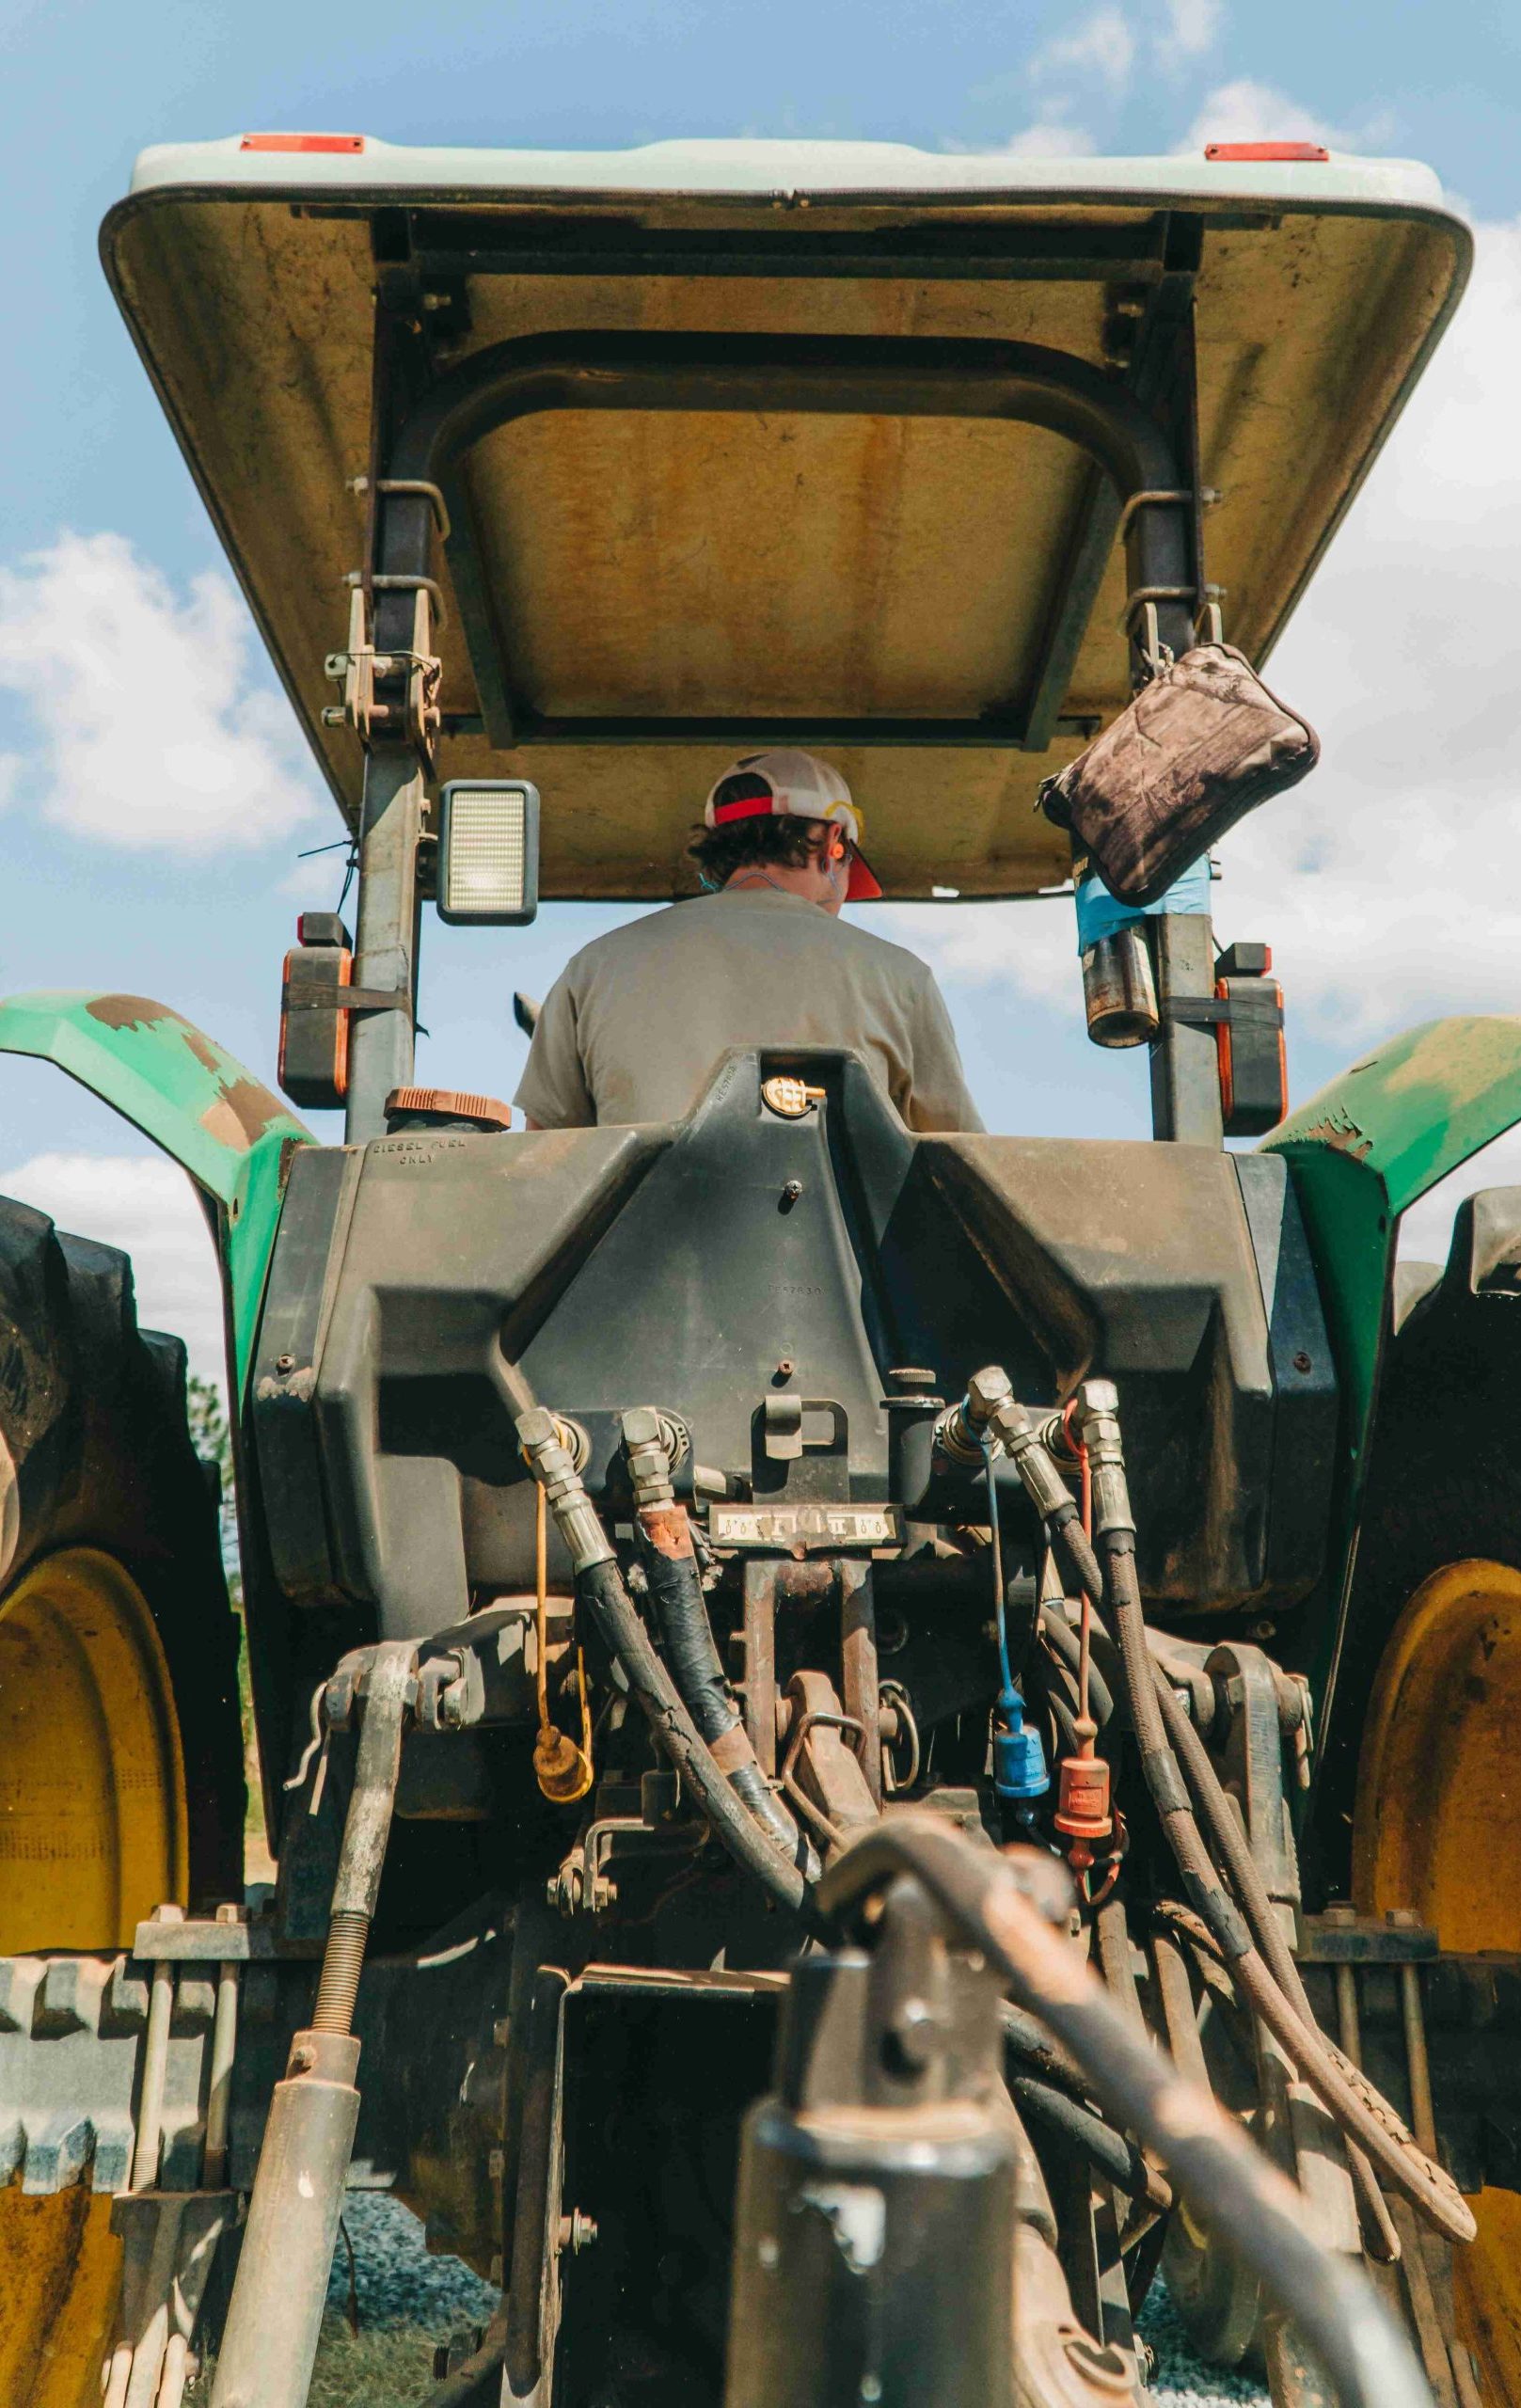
{"type": "Point", "coordinates": [1366, 2118]}
{"type": "Point", "coordinates": [676, 1587]}
{"type": "Point", "coordinates": [676, 1735]}
{"type": "Point", "coordinates": [1060, 1636]}
{"type": "Point", "coordinates": [1230, 2185]}
{"type": "Point", "coordinates": [628, 1641]}
{"type": "Point", "coordinates": [1117, 2159]}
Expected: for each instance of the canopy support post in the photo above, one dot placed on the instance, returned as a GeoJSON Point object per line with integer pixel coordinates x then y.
{"type": "Point", "coordinates": [381, 1043]}
{"type": "Point", "coordinates": [1185, 1064]}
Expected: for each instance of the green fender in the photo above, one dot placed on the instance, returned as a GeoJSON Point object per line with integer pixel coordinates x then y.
{"type": "Point", "coordinates": [182, 1089]}
{"type": "Point", "coordinates": [1360, 1153]}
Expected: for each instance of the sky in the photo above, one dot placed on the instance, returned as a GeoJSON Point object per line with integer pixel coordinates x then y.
{"type": "Point", "coordinates": [154, 798]}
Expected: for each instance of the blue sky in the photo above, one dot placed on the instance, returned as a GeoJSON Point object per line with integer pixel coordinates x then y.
{"type": "Point", "coordinates": [126, 671]}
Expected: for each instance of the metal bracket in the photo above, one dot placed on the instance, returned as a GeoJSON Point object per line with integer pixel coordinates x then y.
{"type": "Point", "coordinates": [360, 668]}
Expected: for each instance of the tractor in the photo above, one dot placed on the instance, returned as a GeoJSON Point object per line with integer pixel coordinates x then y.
{"type": "Point", "coordinates": [872, 1740]}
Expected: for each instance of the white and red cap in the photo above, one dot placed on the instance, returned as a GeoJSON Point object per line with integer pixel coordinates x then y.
{"type": "Point", "coordinates": [760, 783]}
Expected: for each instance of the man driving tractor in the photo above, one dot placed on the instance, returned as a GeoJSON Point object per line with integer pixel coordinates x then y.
{"type": "Point", "coordinates": [631, 1030]}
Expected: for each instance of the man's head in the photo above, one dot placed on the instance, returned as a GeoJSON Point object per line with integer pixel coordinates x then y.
{"type": "Point", "coordinates": [785, 819]}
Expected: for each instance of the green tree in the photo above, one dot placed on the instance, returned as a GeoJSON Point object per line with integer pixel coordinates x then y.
{"type": "Point", "coordinates": [212, 1441]}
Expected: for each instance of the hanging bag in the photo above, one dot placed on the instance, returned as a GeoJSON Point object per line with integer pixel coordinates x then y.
{"type": "Point", "coordinates": [1200, 745]}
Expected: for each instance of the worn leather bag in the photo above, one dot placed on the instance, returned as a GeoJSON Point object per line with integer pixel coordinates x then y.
{"type": "Point", "coordinates": [1200, 746]}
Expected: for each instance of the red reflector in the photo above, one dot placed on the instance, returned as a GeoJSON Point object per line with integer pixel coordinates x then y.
{"type": "Point", "coordinates": [1264, 150]}
{"type": "Point", "coordinates": [348, 142]}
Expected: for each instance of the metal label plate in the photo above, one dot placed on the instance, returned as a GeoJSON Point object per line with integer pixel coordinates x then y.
{"type": "Point", "coordinates": [821, 1527]}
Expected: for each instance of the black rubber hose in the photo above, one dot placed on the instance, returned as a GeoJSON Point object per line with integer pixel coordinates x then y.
{"type": "Point", "coordinates": [1364, 2116]}
{"type": "Point", "coordinates": [1058, 1632]}
{"type": "Point", "coordinates": [628, 1643]}
{"type": "Point", "coordinates": [1230, 2187]}
{"type": "Point", "coordinates": [675, 1588]}
{"type": "Point", "coordinates": [681, 1611]}
{"type": "Point", "coordinates": [1117, 2159]}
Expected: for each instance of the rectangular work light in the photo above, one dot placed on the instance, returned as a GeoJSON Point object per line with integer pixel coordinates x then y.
{"type": "Point", "coordinates": [488, 853]}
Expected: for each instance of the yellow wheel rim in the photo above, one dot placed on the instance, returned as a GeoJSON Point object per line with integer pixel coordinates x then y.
{"type": "Point", "coordinates": [92, 1838]}
{"type": "Point", "coordinates": [1438, 1829]}
{"type": "Point", "coordinates": [92, 1804]}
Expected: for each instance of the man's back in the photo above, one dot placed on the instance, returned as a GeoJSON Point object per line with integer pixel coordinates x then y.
{"type": "Point", "coordinates": [633, 1030]}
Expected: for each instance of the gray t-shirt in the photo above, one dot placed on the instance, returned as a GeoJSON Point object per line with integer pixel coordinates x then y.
{"type": "Point", "coordinates": [635, 1027]}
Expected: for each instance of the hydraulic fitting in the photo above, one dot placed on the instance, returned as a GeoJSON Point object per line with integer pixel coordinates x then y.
{"type": "Point", "coordinates": [1098, 1423]}
{"type": "Point", "coordinates": [541, 1434]}
{"type": "Point", "coordinates": [990, 1416]}
{"type": "Point", "coordinates": [960, 1428]}
{"type": "Point", "coordinates": [653, 1443]}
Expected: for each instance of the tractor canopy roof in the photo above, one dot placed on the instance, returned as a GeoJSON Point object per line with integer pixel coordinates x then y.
{"type": "Point", "coordinates": [770, 445]}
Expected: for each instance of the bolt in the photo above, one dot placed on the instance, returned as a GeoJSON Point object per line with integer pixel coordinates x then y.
{"type": "Point", "coordinates": [1303, 1362]}
{"type": "Point", "coordinates": [785, 1367]}
{"type": "Point", "coordinates": [284, 1363]}
{"type": "Point", "coordinates": [1403, 1918]}
{"type": "Point", "coordinates": [577, 2231]}
{"type": "Point", "coordinates": [502, 2029]}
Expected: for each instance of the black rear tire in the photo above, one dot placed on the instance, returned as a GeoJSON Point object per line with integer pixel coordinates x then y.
{"type": "Point", "coordinates": [96, 1454]}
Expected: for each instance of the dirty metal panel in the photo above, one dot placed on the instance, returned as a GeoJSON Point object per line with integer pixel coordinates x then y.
{"type": "Point", "coordinates": [776, 567]}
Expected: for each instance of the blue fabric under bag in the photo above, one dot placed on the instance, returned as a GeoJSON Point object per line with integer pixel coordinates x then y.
{"type": "Point", "coordinates": [1100, 915]}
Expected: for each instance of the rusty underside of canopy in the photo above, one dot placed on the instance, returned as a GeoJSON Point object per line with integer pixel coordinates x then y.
{"type": "Point", "coordinates": [632, 594]}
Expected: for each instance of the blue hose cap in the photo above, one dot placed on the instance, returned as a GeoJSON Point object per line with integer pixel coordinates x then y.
{"type": "Point", "coordinates": [1019, 1758]}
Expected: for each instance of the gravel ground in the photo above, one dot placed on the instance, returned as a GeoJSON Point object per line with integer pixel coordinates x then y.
{"type": "Point", "coordinates": [408, 2302]}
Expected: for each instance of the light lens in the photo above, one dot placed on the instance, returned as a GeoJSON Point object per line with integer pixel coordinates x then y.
{"type": "Point", "coordinates": [345, 143]}
{"type": "Point", "coordinates": [488, 865]}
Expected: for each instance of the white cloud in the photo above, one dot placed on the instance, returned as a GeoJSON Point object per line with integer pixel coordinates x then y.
{"type": "Point", "coordinates": [1102, 45]}
{"type": "Point", "coordinates": [1193, 26]}
{"type": "Point", "coordinates": [1050, 140]}
{"type": "Point", "coordinates": [155, 728]}
{"type": "Point", "coordinates": [1247, 112]}
{"type": "Point", "coordinates": [146, 1206]}
{"type": "Point", "coordinates": [1387, 881]}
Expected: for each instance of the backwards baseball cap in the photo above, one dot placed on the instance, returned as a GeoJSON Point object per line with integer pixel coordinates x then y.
{"type": "Point", "coordinates": [798, 783]}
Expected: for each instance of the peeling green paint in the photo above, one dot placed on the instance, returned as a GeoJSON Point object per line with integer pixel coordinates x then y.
{"type": "Point", "coordinates": [192, 1097]}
